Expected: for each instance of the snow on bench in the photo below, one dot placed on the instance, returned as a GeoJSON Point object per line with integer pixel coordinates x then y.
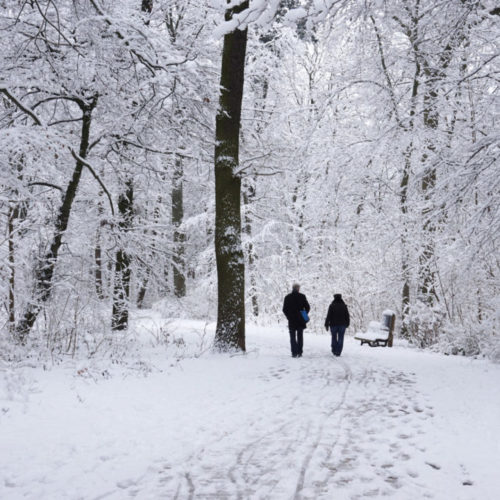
{"type": "Point", "coordinates": [379, 333]}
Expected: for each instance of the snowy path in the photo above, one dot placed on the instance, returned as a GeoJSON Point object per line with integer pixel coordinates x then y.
{"type": "Point", "coordinates": [374, 423]}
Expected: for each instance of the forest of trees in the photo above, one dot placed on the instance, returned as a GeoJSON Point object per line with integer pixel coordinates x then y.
{"type": "Point", "coordinates": [352, 145]}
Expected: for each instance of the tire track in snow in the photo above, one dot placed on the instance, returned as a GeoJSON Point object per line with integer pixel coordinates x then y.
{"type": "Point", "coordinates": [238, 477]}
{"type": "Point", "coordinates": [294, 423]}
{"type": "Point", "coordinates": [320, 432]}
{"type": "Point", "coordinates": [239, 473]}
{"type": "Point", "coordinates": [255, 466]}
{"type": "Point", "coordinates": [384, 400]}
{"type": "Point", "coordinates": [242, 461]}
{"type": "Point", "coordinates": [255, 458]}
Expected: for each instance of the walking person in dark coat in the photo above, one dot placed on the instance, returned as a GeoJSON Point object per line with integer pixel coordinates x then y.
{"type": "Point", "coordinates": [293, 304]}
{"type": "Point", "coordinates": [337, 320]}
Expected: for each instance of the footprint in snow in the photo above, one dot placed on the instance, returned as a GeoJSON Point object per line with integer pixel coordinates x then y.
{"type": "Point", "coordinates": [465, 482]}
{"type": "Point", "coordinates": [393, 481]}
{"type": "Point", "coordinates": [404, 436]}
{"type": "Point", "coordinates": [433, 465]}
{"type": "Point", "coordinates": [126, 483]}
{"type": "Point", "coordinates": [370, 493]}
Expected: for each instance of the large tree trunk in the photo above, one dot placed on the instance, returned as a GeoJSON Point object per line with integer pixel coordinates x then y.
{"type": "Point", "coordinates": [146, 279]}
{"type": "Point", "coordinates": [44, 271]}
{"type": "Point", "coordinates": [405, 257]}
{"type": "Point", "coordinates": [121, 288]}
{"type": "Point", "coordinates": [12, 267]}
{"type": "Point", "coordinates": [147, 7]}
{"type": "Point", "coordinates": [248, 198]}
{"type": "Point", "coordinates": [178, 266]}
{"type": "Point", "coordinates": [435, 73]}
{"type": "Point", "coordinates": [230, 332]}
{"type": "Point", "coordinates": [407, 158]}
{"type": "Point", "coordinates": [141, 295]}
{"type": "Point", "coordinates": [427, 289]}
{"type": "Point", "coordinates": [249, 195]}
{"type": "Point", "coordinates": [98, 268]}
{"type": "Point", "coordinates": [16, 212]}
{"type": "Point", "coordinates": [403, 196]}
{"type": "Point", "coordinates": [98, 264]}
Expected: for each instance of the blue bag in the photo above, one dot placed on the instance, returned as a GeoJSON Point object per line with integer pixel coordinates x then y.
{"type": "Point", "coordinates": [304, 315]}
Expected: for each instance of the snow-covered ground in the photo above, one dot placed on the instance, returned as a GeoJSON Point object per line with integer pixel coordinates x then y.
{"type": "Point", "coordinates": [376, 422]}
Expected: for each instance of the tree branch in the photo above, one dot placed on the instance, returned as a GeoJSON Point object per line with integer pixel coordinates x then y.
{"type": "Point", "coordinates": [21, 106]}
{"type": "Point", "coordinates": [386, 71]}
{"type": "Point", "coordinates": [96, 177]}
{"type": "Point", "coordinates": [47, 184]}
{"type": "Point", "coordinates": [152, 150]}
{"type": "Point", "coordinates": [152, 67]}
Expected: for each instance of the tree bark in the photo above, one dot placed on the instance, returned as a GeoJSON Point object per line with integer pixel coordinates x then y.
{"type": "Point", "coordinates": [407, 155]}
{"type": "Point", "coordinates": [12, 267]}
{"type": "Point", "coordinates": [147, 7]}
{"type": "Point", "coordinates": [405, 257]}
{"type": "Point", "coordinates": [121, 287]}
{"type": "Point", "coordinates": [98, 268]}
{"type": "Point", "coordinates": [178, 265]}
{"type": "Point", "coordinates": [230, 331]}
{"type": "Point", "coordinates": [435, 73]}
{"type": "Point", "coordinates": [98, 274]}
{"type": "Point", "coordinates": [44, 271]}
{"type": "Point", "coordinates": [427, 290]}
{"type": "Point", "coordinates": [141, 295]}
{"type": "Point", "coordinates": [248, 197]}
{"type": "Point", "coordinates": [403, 196]}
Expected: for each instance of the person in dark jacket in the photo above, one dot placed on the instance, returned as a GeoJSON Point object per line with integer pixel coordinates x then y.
{"type": "Point", "coordinates": [293, 304]}
{"type": "Point", "coordinates": [337, 320]}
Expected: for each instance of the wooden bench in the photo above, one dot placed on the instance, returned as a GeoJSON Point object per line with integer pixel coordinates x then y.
{"type": "Point", "coordinates": [379, 333]}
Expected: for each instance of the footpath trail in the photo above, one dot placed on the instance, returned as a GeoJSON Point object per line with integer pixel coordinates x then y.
{"type": "Point", "coordinates": [373, 423]}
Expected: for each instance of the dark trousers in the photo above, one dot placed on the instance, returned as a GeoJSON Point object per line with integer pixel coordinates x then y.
{"type": "Point", "coordinates": [337, 339]}
{"type": "Point", "coordinates": [296, 340]}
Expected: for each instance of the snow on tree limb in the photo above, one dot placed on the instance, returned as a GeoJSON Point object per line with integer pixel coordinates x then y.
{"type": "Point", "coordinates": [21, 106]}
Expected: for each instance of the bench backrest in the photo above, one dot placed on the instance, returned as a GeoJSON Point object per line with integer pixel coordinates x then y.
{"type": "Point", "coordinates": [388, 321]}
